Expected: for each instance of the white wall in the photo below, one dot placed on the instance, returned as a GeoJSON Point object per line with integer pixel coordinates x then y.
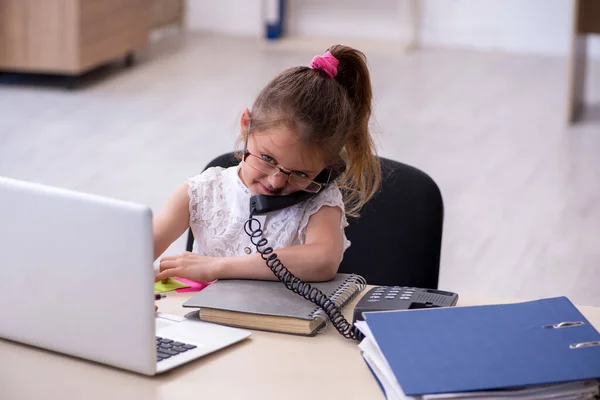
{"type": "Point", "coordinates": [526, 26]}
{"type": "Point", "coordinates": [529, 26]}
{"type": "Point", "coordinates": [374, 19]}
{"type": "Point", "coordinates": [228, 17]}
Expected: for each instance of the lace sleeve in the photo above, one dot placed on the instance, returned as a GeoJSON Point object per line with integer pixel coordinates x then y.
{"type": "Point", "coordinates": [194, 188]}
{"type": "Point", "coordinates": [331, 196]}
{"type": "Point", "coordinates": [199, 187]}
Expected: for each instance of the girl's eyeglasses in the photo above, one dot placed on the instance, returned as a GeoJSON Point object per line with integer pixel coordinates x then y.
{"type": "Point", "coordinates": [266, 167]}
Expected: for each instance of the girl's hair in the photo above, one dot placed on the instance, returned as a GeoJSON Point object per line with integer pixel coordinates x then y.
{"type": "Point", "coordinates": [331, 115]}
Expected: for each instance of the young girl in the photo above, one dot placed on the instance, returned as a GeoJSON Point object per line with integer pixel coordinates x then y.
{"type": "Point", "coordinates": [305, 120]}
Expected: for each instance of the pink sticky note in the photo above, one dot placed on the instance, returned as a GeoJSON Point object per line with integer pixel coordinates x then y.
{"type": "Point", "coordinates": [193, 285]}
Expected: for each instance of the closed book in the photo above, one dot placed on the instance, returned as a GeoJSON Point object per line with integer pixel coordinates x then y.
{"type": "Point", "coordinates": [270, 306]}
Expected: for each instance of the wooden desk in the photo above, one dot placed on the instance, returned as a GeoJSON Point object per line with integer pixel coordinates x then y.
{"type": "Point", "coordinates": [266, 366]}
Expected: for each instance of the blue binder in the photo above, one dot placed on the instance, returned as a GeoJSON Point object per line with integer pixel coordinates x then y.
{"type": "Point", "coordinates": [275, 18]}
{"type": "Point", "coordinates": [462, 349]}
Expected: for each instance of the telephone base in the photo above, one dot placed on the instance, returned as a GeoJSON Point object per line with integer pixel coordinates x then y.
{"type": "Point", "coordinates": [391, 298]}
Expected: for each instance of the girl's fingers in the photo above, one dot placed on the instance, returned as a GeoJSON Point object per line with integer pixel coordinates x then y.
{"type": "Point", "coordinates": [167, 264]}
{"type": "Point", "coordinates": [168, 273]}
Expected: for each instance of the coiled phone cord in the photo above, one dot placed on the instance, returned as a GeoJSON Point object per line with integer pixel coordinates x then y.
{"type": "Point", "coordinates": [296, 285]}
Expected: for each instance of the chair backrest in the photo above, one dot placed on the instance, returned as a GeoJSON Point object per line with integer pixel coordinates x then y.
{"type": "Point", "coordinates": [397, 238]}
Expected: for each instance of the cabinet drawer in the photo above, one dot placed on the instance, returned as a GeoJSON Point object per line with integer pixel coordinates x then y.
{"type": "Point", "coordinates": [124, 15]}
{"type": "Point", "coordinates": [94, 10]}
{"type": "Point", "coordinates": [112, 30]}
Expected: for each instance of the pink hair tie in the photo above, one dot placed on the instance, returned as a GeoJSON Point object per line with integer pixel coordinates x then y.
{"type": "Point", "coordinates": [327, 63]}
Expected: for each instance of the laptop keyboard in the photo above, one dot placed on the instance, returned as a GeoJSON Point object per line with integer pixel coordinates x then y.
{"type": "Point", "coordinates": [166, 348]}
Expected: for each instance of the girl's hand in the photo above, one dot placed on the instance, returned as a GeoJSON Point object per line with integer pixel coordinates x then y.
{"type": "Point", "coordinates": [190, 266]}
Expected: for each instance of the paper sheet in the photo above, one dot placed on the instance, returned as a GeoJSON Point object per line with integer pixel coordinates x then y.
{"type": "Point", "coordinates": [171, 284]}
{"type": "Point", "coordinates": [193, 286]}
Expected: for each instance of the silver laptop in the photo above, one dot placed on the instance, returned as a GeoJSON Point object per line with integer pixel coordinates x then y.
{"type": "Point", "coordinates": [78, 279]}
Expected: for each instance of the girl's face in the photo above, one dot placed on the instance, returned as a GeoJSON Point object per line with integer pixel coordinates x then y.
{"type": "Point", "coordinates": [279, 146]}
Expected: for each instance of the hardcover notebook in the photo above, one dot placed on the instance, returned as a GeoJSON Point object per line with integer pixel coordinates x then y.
{"type": "Point", "coordinates": [539, 349]}
{"type": "Point", "coordinates": [270, 306]}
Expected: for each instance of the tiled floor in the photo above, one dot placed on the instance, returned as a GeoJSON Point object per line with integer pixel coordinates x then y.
{"type": "Point", "coordinates": [521, 190]}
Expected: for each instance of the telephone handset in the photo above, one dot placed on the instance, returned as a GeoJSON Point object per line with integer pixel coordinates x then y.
{"type": "Point", "coordinates": [261, 204]}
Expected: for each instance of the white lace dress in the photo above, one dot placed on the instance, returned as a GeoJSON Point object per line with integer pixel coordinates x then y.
{"type": "Point", "coordinates": [219, 207]}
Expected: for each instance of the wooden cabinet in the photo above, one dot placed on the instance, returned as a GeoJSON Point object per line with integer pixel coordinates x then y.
{"type": "Point", "coordinates": [168, 12]}
{"type": "Point", "coordinates": [70, 36]}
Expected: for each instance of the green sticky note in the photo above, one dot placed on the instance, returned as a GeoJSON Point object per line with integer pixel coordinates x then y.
{"type": "Point", "coordinates": [172, 284]}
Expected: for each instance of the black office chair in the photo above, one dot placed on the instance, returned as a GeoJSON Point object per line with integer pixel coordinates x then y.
{"type": "Point", "coordinates": [397, 238]}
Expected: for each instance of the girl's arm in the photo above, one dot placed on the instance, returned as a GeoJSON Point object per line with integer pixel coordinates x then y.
{"type": "Point", "coordinates": [317, 260]}
{"type": "Point", "coordinates": [172, 221]}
